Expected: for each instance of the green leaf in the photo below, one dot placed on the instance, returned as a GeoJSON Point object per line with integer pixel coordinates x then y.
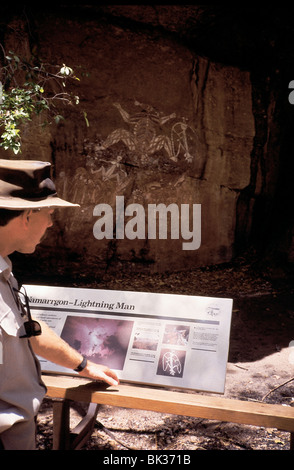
{"type": "Point", "coordinates": [18, 104]}
{"type": "Point", "coordinates": [86, 119]}
{"type": "Point", "coordinates": [58, 118]}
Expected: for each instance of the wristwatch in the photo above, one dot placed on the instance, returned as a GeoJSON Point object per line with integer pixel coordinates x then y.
{"type": "Point", "coordinates": [82, 365]}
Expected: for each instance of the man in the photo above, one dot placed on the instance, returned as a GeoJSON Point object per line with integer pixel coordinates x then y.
{"type": "Point", "coordinates": [27, 201]}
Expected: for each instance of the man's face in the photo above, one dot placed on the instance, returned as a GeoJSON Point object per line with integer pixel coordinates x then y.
{"type": "Point", "coordinates": [37, 222]}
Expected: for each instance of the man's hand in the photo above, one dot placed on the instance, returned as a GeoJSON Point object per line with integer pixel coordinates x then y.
{"type": "Point", "coordinates": [99, 372]}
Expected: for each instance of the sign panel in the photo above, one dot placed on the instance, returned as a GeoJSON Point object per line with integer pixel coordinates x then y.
{"type": "Point", "coordinates": [159, 339]}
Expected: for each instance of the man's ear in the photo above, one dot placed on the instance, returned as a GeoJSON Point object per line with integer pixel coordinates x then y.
{"type": "Point", "coordinates": [26, 218]}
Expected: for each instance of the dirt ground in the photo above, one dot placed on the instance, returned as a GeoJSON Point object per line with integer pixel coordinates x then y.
{"type": "Point", "coordinates": [260, 364]}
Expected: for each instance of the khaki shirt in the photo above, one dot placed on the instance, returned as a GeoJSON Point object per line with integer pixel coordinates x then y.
{"type": "Point", "coordinates": [21, 387]}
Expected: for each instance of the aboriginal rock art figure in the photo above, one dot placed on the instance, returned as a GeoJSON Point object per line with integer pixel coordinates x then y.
{"type": "Point", "coordinates": [171, 363]}
{"type": "Point", "coordinates": [109, 170]}
{"type": "Point", "coordinates": [143, 138]}
{"type": "Point", "coordinates": [113, 170]}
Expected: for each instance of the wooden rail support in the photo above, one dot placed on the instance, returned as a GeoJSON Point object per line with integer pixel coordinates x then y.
{"type": "Point", "coordinates": [153, 399]}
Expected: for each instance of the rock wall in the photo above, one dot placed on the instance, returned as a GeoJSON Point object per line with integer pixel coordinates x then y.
{"type": "Point", "coordinates": [165, 126]}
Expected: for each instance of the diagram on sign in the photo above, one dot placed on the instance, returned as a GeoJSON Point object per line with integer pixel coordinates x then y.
{"type": "Point", "coordinates": [171, 363]}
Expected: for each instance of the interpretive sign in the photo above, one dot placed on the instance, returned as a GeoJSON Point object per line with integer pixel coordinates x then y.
{"type": "Point", "coordinates": [161, 339]}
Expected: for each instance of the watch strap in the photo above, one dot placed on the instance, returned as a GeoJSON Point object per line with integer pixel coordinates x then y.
{"type": "Point", "coordinates": [82, 365]}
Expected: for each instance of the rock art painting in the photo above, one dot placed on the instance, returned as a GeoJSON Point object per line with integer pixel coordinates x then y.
{"type": "Point", "coordinates": [145, 138]}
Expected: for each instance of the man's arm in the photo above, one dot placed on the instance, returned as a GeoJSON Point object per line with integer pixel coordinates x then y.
{"type": "Point", "coordinates": [53, 348]}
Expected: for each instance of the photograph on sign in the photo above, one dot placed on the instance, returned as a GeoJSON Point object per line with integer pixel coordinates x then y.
{"type": "Point", "coordinates": [104, 341]}
{"type": "Point", "coordinates": [161, 339]}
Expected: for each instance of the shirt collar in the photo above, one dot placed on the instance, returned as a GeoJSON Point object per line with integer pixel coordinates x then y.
{"type": "Point", "coordinates": [5, 267]}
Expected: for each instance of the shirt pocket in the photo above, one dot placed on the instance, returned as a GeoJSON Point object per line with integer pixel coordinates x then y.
{"type": "Point", "coordinates": [9, 327]}
{"type": "Point", "coordinates": [13, 347]}
{"type": "Point", "coordinates": [11, 324]}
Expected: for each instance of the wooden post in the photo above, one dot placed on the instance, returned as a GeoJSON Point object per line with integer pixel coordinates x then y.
{"type": "Point", "coordinates": [83, 431]}
{"type": "Point", "coordinates": [61, 413]}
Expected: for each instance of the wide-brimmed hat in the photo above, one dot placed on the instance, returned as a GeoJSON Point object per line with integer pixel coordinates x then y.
{"type": "Point", "coordinates": [26, 184]}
